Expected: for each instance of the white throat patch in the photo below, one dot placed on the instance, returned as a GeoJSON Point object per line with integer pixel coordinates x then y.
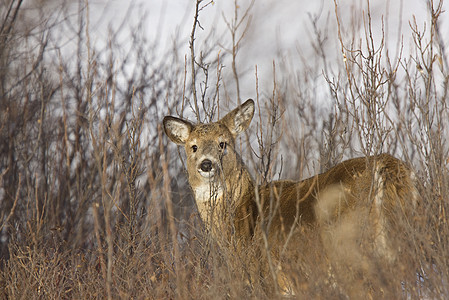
{"type": "Point", "coordinates": [206, 192]}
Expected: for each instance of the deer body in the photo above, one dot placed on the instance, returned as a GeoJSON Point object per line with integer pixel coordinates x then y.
{"type": "Point", "coordinates": [229, 201]}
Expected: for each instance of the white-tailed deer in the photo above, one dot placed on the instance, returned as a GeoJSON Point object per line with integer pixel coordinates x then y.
{"type": "Point", "coordinates": [230, 202]}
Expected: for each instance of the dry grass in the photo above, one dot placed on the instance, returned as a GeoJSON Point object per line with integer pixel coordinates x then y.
{"type": "Point", "coordinates": [94, 202]}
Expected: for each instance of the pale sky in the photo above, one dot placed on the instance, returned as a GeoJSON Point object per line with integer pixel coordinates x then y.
{"type": "Point", "coordinates": [278, 28]}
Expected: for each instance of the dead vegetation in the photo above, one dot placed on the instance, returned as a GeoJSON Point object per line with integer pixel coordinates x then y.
{"type": "Point", "coordinates": [94, 201]}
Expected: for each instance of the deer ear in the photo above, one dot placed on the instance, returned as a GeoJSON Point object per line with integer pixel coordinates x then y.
{"type": "Point", "coordinates": [177, 130]}
{"type": "Point", "coordinates": [239, 119]}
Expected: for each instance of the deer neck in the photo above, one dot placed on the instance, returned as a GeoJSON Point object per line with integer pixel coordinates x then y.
{"type": "Point", "coordinates": [217, 200]}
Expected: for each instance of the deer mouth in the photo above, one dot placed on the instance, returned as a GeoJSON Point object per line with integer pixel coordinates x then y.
{"type": "Point", "coordinates": [207, 175]}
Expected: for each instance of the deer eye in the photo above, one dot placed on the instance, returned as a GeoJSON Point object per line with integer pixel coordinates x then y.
{"type": "Point", "coordinates": [194, 148]}
{"type": "Point", "coordinates": [222, 145]}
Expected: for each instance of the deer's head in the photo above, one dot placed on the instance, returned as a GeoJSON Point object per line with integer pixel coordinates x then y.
{"type": "Point", "coordinates": [210, 148]}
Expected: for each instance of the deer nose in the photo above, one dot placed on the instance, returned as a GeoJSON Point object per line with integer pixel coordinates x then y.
{"type": "Point", "coordinates": [206, 165]}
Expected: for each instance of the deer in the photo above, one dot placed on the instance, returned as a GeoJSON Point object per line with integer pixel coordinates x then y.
{"type": "Point", "coordinates": [231, 204]}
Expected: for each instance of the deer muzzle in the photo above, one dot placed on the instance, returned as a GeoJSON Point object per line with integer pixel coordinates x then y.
{"type": "Point", "coordinates": [207, 168]}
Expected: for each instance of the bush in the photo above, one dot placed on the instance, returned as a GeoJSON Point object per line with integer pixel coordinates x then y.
{"type": "Point", "coordinates": [95, 202]}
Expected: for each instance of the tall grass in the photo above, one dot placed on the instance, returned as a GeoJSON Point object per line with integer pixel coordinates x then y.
{"type": "Point", "coordinates": [94, 201]}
